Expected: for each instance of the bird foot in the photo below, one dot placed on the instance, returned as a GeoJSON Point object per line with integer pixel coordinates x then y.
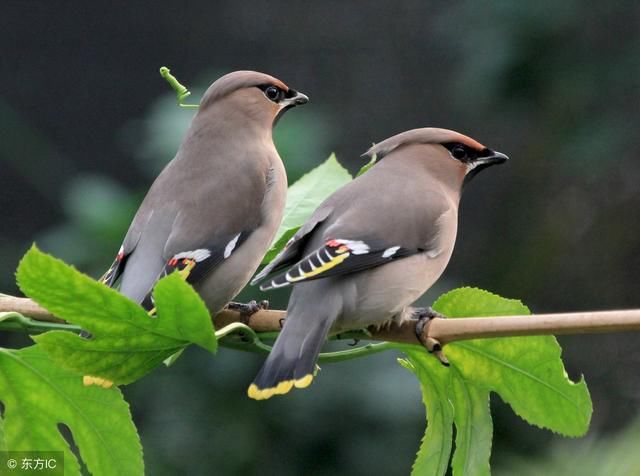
{"type": "Point", "coordinates": [433, 346]}
{"type": "Point", "coordinates": [248, 309]}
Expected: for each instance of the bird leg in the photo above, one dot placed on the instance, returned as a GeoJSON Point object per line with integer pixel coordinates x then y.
{"type": "Point", "coordinates": [248, 309]}
{"type": "Point", "coordinates": [433, 346]}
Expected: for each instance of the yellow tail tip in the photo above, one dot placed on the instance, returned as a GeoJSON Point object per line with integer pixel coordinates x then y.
{"type": "Point", "coordinates": [283, 387]}
{"type": "Point", "coordinates": [304, 382]}
{"type": "Point", "coordinates": [88, 380]}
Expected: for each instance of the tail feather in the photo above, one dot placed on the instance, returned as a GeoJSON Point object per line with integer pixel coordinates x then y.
{"type": "Point", "coordinates": [292, 361]}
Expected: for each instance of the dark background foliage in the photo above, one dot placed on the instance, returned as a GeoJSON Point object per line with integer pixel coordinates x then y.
{"type": "Point", "coordinates": [86, 123]}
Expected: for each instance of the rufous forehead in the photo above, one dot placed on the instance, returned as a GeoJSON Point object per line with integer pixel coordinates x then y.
{"type": "Point", "coordinates": [468, 141]}
{"type": "Point", "coordinates": [276, 82]}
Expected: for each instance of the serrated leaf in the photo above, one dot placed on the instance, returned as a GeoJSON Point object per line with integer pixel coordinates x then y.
{"type": "Point", "coordinates": [474, 428]}
{"type": "Point", "coordinates": [304, 196]}
{"type": "Point", "coordinates": [182, 313]}
{"type": "Point", "coordinates": [525, 371]}
{"type": "Point", "coordinates": [38, 395]}
{"type": "Point", "coordinates": [435, 448]}
{"type": "Point", "coordinates": [126, 343]}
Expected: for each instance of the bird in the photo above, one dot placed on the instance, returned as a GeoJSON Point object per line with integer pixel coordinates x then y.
{"type": "Point", "coordinates": [215, 208]}
{"type": "Point", "coordinates": [370, 249]}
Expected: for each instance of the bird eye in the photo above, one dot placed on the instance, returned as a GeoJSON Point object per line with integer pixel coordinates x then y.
{"type": "Point", "coordinates": [458, 152]}
{"type": "Point", "coordinates": [273, 93]}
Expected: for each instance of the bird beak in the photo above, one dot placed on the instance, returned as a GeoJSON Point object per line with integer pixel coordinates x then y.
{"type": "Point", "coordinates": [489, 157]}
{"type": "Point", "coordinates": [493, 158]}
{"type": "Point", "coordinates": [294, 98]}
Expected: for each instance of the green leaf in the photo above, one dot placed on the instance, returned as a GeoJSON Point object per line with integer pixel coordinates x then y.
{"type": "Point", "coordinates": [304, 196]}
{"type": "Point", "coordinates": [526, 372]}
{"type": "Point", "coordinates": [126, 343]}
{"type": "Point", "coordinates": [277, 246]}
{"type": "Point", "coordinates": [38, 395]}
{"type": "Point", "coordinates": [474, 427]}
{"type": "Point", "coordinates": [368, 165]}
{"type": "Point", "coordinates": [3, 441]}
{"type": "Point", "coordinates": [435, 449]}
{"type": "Point", "coordinates": [182, 314]}
{"type": "Point", "coordinates": [11, 320]}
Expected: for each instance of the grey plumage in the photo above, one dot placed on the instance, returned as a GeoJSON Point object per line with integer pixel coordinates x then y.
{"type": "Point", "coordinates": [216, 206]}
{"type": "Point", "coordinates": [370, 250]}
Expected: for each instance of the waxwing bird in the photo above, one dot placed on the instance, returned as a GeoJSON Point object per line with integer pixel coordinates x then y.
{"type": "Point", "coordinates": [370, 250]}
{"type": "Point", "coordinates": [215, 208]}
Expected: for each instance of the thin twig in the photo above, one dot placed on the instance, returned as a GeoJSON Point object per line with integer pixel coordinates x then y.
{"type": "Point", "coordinates": [443, 330]}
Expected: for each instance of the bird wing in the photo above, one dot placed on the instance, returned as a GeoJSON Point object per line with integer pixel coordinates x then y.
{"type": "Point", "coordinates": [190, 231]}
{"type": "Point", "coordinates": [294, 249]}
{"type": "Point", "coordinates": [340, 256]}
{"type": "Point", "coordinates": [115, 270]}
{"type": "Point", "coordinates": [373, 220]}
{"type": "Point", "coordinates": [195, 264]}
{"type": "Point", "coordinates": [194, 258]}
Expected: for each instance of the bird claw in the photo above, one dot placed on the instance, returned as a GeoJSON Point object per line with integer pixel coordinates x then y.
{"type": "Point", "coordinates": [247, 310]}
{"type": "Point", "coordinates": [427, 312]}
{"type": "Point", "coordinates": [433, 346]}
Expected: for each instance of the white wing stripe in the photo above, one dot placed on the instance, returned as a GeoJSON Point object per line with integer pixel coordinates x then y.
{"type": "Point", "coordinates": [231, 246]}
{"type": "Point", "coordinates": [196, 255]}
{"type": "Point", "coordinates": [356, 247]}
{"type": "Point", "coordinates": [389, 252]}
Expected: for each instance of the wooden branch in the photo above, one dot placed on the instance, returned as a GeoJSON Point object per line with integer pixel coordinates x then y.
{"type": "Point", "coordinates": [442, 330]}
{"type": "Point", "coordinates": [26, 307]}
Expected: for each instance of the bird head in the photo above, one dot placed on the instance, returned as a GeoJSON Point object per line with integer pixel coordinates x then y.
{"type": "Point", "coordinates": [255, 96]}
{"type": "Point", "coordinates": [448, 154]}
{"type": "Point", "coordinates": [473, 155]}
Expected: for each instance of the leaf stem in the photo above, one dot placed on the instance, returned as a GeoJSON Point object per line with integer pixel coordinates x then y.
{"type": "Point", "coordinates": [367, 349]}
{"type": "Point", "coordinates": [13, 321]}
{"type": "Point", "coordinates": [239, 336]}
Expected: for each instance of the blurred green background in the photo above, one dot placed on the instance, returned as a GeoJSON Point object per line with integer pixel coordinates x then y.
{"type": "Point", "coordinates": [87, 123]}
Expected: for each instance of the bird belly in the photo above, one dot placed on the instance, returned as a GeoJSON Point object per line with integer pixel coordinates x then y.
{"type": "Point", "coordinates": [231, 276]}
{"type": "Point", "coordinates": [381, 295]}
